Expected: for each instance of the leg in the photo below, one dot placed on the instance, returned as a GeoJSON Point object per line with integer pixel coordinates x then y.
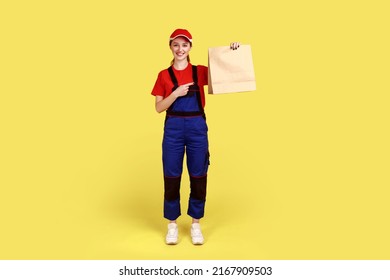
{"type": "Point", "coordinates": [173, 153]}
{"type": "Point", "coordinates": [197, 162]}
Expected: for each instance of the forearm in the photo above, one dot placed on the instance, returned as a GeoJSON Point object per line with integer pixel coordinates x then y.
{"type": "Point", "coordinates": [163, 104]}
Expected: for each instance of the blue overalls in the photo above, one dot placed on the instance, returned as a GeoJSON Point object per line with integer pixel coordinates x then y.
{"type": "Point", "coordinates": [185, 131]}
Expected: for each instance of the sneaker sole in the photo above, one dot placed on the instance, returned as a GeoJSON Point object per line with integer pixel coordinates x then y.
{"type": "Point", "coordinates": [170, 242]}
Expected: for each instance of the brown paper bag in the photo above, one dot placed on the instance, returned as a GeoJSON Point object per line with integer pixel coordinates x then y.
{"type": "Point", "coordinates": [231, 70]}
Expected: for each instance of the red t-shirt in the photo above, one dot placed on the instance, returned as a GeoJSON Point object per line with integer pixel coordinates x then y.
{"type": "Point", "coordinates": [164, 85]}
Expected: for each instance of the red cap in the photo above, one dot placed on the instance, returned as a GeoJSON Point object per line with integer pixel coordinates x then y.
{"type": "Point", "coordinates": [181, 33]}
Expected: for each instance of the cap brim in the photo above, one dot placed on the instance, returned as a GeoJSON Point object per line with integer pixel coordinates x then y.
{"type": "Point", "coordinates": [190, 40]}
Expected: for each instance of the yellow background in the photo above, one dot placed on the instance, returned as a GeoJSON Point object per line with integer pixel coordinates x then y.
{"type": "Point", "coordinates": [299, 167]}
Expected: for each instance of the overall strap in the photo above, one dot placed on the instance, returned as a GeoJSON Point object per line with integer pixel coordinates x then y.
{"type": "Point", "coordinates": [195, 79]}
{"type": "Point", "coordinates": [195, 74]}
{"type": "Point", "coordinates": [173, 78]}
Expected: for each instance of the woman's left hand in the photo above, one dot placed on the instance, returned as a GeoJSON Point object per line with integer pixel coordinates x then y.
{"type": "Point", "coordinates": [234, 45]}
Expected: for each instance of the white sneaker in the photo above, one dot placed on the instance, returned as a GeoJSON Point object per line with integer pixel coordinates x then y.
{"type": "Point", "coordinates": [172, 235]}
{"type": "Point", "coordinates": [196, 234]}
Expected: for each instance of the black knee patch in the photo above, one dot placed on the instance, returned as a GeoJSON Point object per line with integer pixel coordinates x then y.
{"type": "Point", "coordinates": [198, 188]}
{"type": "Point", "coordinates": [172, 188]}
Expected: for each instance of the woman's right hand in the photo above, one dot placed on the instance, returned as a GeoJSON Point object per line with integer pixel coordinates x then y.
{"type": "Point", "coordinates": [182, 90]}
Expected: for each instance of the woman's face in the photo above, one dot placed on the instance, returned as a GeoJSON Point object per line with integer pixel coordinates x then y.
{"type": "Point", "coordinates": [180, 48]}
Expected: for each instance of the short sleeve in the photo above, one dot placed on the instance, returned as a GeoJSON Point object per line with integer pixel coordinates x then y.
{"type": "Point", "coordinates": [158, 88]}
{"type": "Point", "coordinates": [203, 75]}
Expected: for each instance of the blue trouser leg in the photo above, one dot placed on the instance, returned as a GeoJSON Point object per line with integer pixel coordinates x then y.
{"type": "Point", "coordinates": [197, 151]}
{"type": "Point", "coordinates": [173, 154]}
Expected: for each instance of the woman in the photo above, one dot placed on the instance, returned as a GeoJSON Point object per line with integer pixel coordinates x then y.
{"type": "Point", "coordinates": [179, 92]}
